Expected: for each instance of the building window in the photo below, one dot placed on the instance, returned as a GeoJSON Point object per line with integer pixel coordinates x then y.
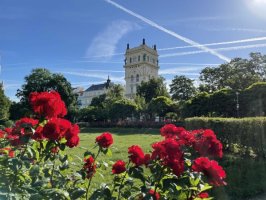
{"type": "Point", "coordinates": [131, 89]}
{"type": "Point", "coordinates": [144, 57]}
{"type": "Point", "coordinates": [130, 60]}
{"type": "Point", "coordinates": [138, 58]}
{"type": "Point", "coordinates": [137, 78]}
{"type": "Point", "coordinates": [148, 58]}
{"type": "Point", "coordinates": [132, 78]}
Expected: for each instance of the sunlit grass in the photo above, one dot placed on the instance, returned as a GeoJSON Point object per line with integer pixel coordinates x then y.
{"type": "Point", "coordinates": [123, 138]}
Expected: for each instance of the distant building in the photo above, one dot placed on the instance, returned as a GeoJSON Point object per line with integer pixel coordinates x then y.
{"type": "Point", "coordinates": [85, 97]}
{"type": "Point", "coordinates": [141, 64]}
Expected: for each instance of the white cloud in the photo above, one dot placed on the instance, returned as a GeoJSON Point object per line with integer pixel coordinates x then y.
{"type": "Point", "coordinates": [169, 32]}
{"type": "Point", "coordinates": [104, 44]}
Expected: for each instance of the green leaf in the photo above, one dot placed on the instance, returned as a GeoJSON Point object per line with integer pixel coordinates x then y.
{"type": "Point", "coordinates": [34, 171]}
{"type": "Point", "coordinates": [77, 193]}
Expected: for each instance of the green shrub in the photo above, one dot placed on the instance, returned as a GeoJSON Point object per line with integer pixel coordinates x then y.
{"type": "Point", "coordinates": [249, 132]}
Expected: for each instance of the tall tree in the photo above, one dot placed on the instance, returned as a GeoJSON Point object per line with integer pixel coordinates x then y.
{"type": "Point", "coordinates": [160, 105]}
{"type": "Point", "coordinates": [182, 88]}
{"type": "Point", "coordinates": [153, 88]}
{"type": "Point", "coordinates": [115, 92]}
{"type": "Point", "coordinates": [41, 80]}
{"type": "Point", "coordinates": [4, 106]}
{"type": "Point", "coordinates": [238, 74]}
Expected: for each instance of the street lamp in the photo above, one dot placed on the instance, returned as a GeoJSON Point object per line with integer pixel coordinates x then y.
{"type": "Point", "coordinates": [237, 104]}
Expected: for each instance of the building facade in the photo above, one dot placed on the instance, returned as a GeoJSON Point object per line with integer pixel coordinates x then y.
{"type": "Point", "coordinates": [141, 64]}
{"type": "Point", "coordinates": [85, 97]}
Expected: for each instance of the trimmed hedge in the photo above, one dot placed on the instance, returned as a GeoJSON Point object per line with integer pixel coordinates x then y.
{"type": "Point", "coordinates": [250, 132]}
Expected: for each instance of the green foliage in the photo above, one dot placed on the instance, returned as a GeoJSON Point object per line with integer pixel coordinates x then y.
{"type": "Point", "coordinates": [253, 100]}
{"type": "Point", "coordinates": [247, 132]}
{"type": "Point", "coordinates": [4, 106]}
{"type": "Point", "coordinates": [182, 88]}
{"type": "Point", "coordinates": [238, 74]}
{"type": "Point", "coordinates": [160, 105]}
{"type": "Point", "coordinates": [152, 88]}
{"type": "Point", "coordinates": [41, 80]}
{"type": "Point", "coordinates": [121, 109]}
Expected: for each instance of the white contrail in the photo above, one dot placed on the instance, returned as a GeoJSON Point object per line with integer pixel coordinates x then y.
{"type": "Point", "coordinates": [161, 28]}
{"type": "Point", "coordinates": [217, 43]}
{"type": "Point", "coordinates": [217, 49]}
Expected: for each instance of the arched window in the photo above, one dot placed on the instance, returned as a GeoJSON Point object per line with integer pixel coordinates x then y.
{"type": "Point", "coordinates": [132, 78]}
{"type": "Point", "coordinates": [137, 78]}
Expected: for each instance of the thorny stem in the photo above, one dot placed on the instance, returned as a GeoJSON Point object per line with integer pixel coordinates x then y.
{"type": "Point", "coordinates": [120, 187]}
{"type": "Point", "coordinates": [89, 183]}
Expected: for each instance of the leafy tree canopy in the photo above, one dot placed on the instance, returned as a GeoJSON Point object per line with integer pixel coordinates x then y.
{"type": "Point", "coordinates": [4, 106]}
{"type": "Point", "coordinates": [153, 88]}
{"type": "Point", "coordinates": [182, 88]}
{"type": "Point", "coordinates": [41, 80]}
{"type": "Point", "coordinates": [238, 74]}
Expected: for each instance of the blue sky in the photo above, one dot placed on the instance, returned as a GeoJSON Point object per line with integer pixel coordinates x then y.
{"type": "Point", "coordinates": [85, 40]}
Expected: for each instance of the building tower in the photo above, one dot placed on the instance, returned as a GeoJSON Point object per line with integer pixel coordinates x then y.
{"type": "Point", "coordinates": [141, 64]}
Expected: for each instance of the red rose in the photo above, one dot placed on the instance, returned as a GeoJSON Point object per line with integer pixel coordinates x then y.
{"type": "Point", "coordinates": [73, 142]}
{"type": "Point", "coordinates": [207, 144]}
{"type": "Point", "coordinates": [119, 167]}
{"type": "Point", "coordinates": [210, 168]}
{"type": "Point", "coordinates": [105, 140]}
{"type": "Point", "coordinates": [156, 196]}
{"type": "Point", "coordinates": [147, 159]}
{"type": "Point", "coordinates": [38, 135]}
{"type": "Point", "coordinates": [89, 167]}
{"type": "Point", "coordinates": [136, 155]}
{"type": "Point", "coordinates": [56, 128]}
{"type": "Point", "coordinates": [170, 153]}
{"type": "Point", "coordinates": [203, 195]}
{"type": "Point", "coordinates": [2, 134]}
{"type": "Point", "coordinates": [48, 104]}
{"type": "Point", "coordinates": [55, 150]}
{"type": "Point", "coordinates": [73, 131]}
{"type": "Point", "coordinates": [7, 151]}
{"type": "Point", "coordinates": [170, 130]}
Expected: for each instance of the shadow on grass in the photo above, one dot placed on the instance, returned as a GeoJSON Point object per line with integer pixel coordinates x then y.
{"type": "Point", "coordinates": [122, 131]}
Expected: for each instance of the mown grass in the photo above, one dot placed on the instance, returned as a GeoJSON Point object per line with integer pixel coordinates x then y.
{"type": "Point", "coordinates": [123, 138]}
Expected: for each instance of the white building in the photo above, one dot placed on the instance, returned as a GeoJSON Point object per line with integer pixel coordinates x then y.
{"type": "Point", "coordinates": [141, 64]}
{"type": "Point", "coordinates": [85, 97]}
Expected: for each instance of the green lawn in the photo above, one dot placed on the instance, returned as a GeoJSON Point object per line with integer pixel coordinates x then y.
{"type": "Point", "coordinates": [123, 138]}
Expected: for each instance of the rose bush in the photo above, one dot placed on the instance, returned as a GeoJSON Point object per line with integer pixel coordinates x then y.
{"type": "Point", "coordinates": [35, 165]}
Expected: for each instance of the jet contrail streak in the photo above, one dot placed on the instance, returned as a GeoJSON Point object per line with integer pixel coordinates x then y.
{"type": "Point", "coordinates": [161, 28]}
{"type": "Point", "coordinates": [217, 43]}
{"type": "Point", "coordinates": [217, 49]}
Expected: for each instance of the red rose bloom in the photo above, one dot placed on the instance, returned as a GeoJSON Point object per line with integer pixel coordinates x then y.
{"type": "Point", "coordinates": [56, 128]}
{"type": "Point", "coordinates": [170, 153]}
{"type": "Point", "coordinates": [207, 144]}
{"type": "Point", "coordinates": [48, 104]}
{"type": "Point", "coordinates": [136, 155]}
{"type": "Point", "coordinates": [210, 168]}
{"type": "Point", "coordinates": [203, 195]}
{"type": "Point", "coordinates": [38, 135]}
{"type": "Point", "coordinates": [105, 140]}
{"type": "Point", "coordinates": [73, 142]}
{"type": "Point", "coordinates": [156, 196]}
{"type": "Point", "coordinates": [89, 167]}
{"type": "Point", "coordinates": [170, 130]}
{"type": "Point", "coordinates": [2, 134]}
{"type": "Point", "coordinates": [7, 151]}
{"type": "Point", "coordinates": [119, 167]}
